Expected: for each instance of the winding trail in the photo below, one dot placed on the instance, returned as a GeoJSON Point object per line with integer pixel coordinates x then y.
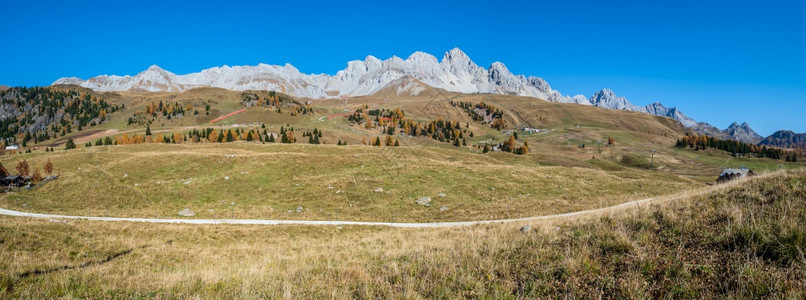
{"type": "Point", "coordinates": [15, 213]}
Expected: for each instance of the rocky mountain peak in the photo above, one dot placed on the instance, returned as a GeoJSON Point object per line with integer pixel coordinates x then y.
{"type": "Point", "coordinates": [456, 72]}
{"type": "Point", "coordinates": [456, 54]}
{"type": "Point", "coordinates": [743, 133]}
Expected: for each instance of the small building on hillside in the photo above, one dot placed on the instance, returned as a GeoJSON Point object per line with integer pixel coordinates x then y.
{"type": "Point", "coordinates": [14, 181]}
{"type": "Point", "coordinates": [731, 174]}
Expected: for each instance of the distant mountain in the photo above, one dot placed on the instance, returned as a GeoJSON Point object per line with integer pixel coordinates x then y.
{"type": "Point", "coordinates": [456, 72]}
{"type": "Point", "coordinates": [737, 132]}
{"type": "Point", "coordinates": [3, 88]}
{"type": "Point", "coordinates": [743, 133]}
{"type": "Point", "coordinates": [608, 99]}
{"type": "Point", "coordinates": [785, 139]}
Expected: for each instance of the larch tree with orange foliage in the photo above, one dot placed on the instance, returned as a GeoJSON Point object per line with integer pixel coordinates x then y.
{"type": "Point", "coordinates": [23, 168]}
{"type": "Point", "coordinates": [48, 167]}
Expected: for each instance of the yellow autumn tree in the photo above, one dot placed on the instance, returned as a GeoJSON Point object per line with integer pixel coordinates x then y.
{"type": "Point", "coordinates": [213, 136]}
{"type": "Point", "coordinates": [48, 167]}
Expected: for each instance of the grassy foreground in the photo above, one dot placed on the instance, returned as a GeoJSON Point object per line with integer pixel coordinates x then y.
{"type": "Point", "coordinates": [742, 240]}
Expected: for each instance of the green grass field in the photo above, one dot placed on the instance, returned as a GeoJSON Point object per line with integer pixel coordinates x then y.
{"type": "Point", "coordinates": [328, 181]}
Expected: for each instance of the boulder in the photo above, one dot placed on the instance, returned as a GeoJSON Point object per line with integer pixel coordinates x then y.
{"type": "Point", "coordinates": [526, 229]}
{"type": "Point", "coordinates": [379, 190]}
{"type": "Point", "coordinates": [441, 195]}
{"type": "Point", "coordinates": [444, 208]}
{"type": "Point", "coordinates": [186, 212]}
{"type": "Point", "coordinates": [424, 201]}
{"type": "Point", "coordinates": [300, 209]}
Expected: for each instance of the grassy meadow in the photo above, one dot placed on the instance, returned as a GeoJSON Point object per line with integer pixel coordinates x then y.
{"type": "Point", "coordinates": [270, 181]}
{"type": "Point", "coordinates": [744, 239]}
{"type": "Point", "coordinates": [739, 240]}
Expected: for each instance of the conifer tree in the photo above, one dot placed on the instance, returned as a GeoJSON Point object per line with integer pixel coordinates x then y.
{"type": "Point", "coordinates": [69, 145]}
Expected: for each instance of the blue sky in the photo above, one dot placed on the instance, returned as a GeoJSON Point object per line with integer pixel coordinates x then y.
{"type": "Point", "coordinates": [718, 61]}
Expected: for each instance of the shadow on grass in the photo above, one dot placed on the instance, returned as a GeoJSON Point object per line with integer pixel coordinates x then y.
{"type": "Point", "coordinates": [88, 264]}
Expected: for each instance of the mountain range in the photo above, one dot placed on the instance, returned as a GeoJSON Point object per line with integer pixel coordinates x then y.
{"type": "Point", "coordinates": [785, 139]}
{"type": "Point", "coordinates": [456, 72]}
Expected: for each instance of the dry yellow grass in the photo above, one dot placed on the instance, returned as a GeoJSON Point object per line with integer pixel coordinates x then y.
{"type": "Point", "coordinates": [688, 247]}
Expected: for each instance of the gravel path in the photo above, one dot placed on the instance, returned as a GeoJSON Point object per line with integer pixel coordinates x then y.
{"type": "Point", "coordinates": [15, 213]}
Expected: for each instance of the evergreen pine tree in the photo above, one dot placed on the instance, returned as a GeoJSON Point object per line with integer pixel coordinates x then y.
{"type": "Point", "coordinates": [148, 130]}
{"type": "Point", "coordinates": [69, 145]}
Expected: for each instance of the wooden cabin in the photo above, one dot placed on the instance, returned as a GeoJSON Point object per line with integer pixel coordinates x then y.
{"type": "Point", "coordinates": [731, 174]}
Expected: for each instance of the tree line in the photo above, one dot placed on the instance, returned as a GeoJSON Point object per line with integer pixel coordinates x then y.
{"type": "Point", "coordinates": [210, 135]}
{"type": "Point", "coordinates": [702, 142]}
{"type": "Point", "coordinates": [276, 101]}
{"type": "Point", "coordinates": [394, 121]}
{"type": "Point", "coordinates": [43, 113]}
{"type": "Point", "coordinates": [483, 113]}
{"type": "Point", "coordinates": [167, 110]}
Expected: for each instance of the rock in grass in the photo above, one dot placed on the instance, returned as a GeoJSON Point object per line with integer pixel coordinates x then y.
{"type": "Point", "coordinates": [526, 229]}
{"type": "Point", "coordinates": [424, 201]}
{"type": "Point", "coordinates": [186, 212]}
{"type": "Point", "coordinates": [441, 195]}
{"type": "Point", "coordinates": [300, 209]}
{"type": "Point", "coordinates": [379, 190]}
{"type": "Point", "coordinates": [444, 208]}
